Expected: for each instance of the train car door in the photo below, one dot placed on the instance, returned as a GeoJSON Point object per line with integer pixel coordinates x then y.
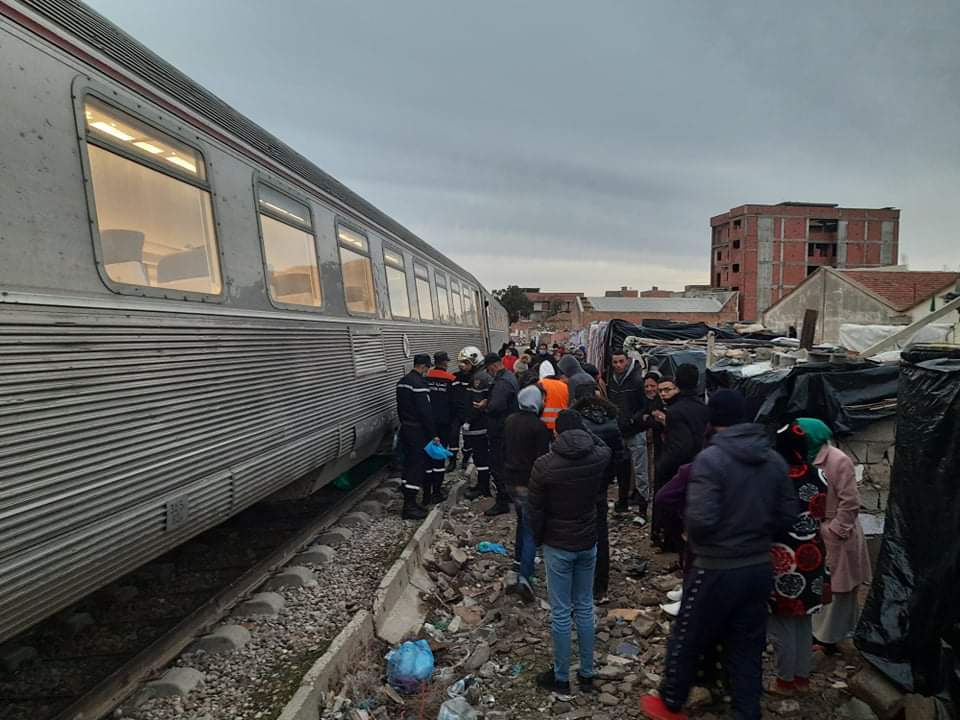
{"type": "Point", "coordinates": [484, 319]}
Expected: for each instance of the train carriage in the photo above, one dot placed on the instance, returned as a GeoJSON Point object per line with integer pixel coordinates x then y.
{"type": "Point", "coordinates": [192, 315]}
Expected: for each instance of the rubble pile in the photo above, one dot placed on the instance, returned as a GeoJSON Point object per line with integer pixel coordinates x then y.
{"type": "Point", "coordinates": [489, 644]}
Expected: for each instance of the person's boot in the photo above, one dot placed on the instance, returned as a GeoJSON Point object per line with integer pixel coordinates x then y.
{"type": "Point", "coordinates": [477, 491]}
{"type": "Point", "coordinates": [621, 507]}
{"type": "Point", "coordinates": [500, 507]}
{"type": "Point", "coordinates": [412, 510]}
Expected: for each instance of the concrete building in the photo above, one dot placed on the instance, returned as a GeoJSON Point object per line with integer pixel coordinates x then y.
{"type": "Point", "coordinates": [764, 251]}
{"type": "Point", "coordinates": [549, 304]}
{"type": "Point", "coordinates": [884, 296]}
{"type": "Point", "coordinates": [624, 291]}
{"type": "Point", "coordinates": [720, 307]}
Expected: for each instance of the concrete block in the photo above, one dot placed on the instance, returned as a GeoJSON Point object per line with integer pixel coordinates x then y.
{"type": "Point", "coordinates": [175, 681]}
{"type": "Point", "coordinates": [876, 452]}
{"type": "Point", "coordinates": [879, 474]}
{"type": "Point", "coordinates": [265, 603]}
{"type": "Point", "coordinates": [872, 499]}
{"type": "Point", "coordinates": [371, 508]}
{"type": "Point", "coordinates": [334, 537]}
{"type": "Point", "coordinates": [290, 577]}
{"type": "Point", "coordinates": [891, 454]}
{"type": "Point", "coordinates": [316, 555]}
{"type": "Point", "coordinates": [357, 518]}
{"type": "Point", "coordinates": [876, 691]}
{"type": "Point", "coordinates": [12, 657]}
{"type": "Point", "coordinates": [882, 431]}
{"type": "Point", "coordinates": [225, 639]}
{"type": "Point", "coordinates": [856, 449]}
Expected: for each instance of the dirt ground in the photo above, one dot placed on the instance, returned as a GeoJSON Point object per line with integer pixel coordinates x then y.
{"type": "Point", "coordinates": [477, 629]}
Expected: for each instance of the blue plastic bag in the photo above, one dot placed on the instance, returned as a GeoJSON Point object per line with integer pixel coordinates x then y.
{"type": "Point", "coordinates": [437, 451]}
{"type": "Point", "coordinates": [487, 547]}
{"type": "Point", "coordinates": [409, 666]}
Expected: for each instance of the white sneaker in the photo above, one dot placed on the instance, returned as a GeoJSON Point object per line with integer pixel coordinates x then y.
{"type": "Point", "coordinates": [675, 595]}
{"type": "Point", "coordinates": [671, 609]}
{"type": "Point", "coordinates": [639, 520]}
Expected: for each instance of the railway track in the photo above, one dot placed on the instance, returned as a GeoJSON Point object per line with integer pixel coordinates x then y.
{"type": "Point", "coordinates": [89, 659]}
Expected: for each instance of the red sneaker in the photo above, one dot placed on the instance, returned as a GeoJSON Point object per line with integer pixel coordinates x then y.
{"type": "Point", "coordinates": [654, 708]}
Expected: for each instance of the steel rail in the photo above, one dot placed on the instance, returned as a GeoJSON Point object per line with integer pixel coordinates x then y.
{"type": "Point", "coordinates": [111, 692]}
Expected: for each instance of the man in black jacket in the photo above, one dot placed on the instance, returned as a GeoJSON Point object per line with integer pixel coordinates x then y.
{"type": "Point", "coordinates": [562, 500]}
{"type": "Point", "coordinates": [738, 499]}
{"type": "Point", "coordinates": [526, 438]}
{"type": "Point", "coordinates": [685, 422]}
{"type": "Point", "coordinates": [417, 428]}
{"type": "Point", "coordinates": [441, 384]}
{"type": "Point", "coordinates": [625, 390]}
{"type": "Point", "coordinates": [502, 403]}
{"type": "Point", "coordinates": [600, 419]}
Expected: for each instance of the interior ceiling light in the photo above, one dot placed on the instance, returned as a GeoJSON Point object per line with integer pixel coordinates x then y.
{"type": "Point", "coordinates": [176, 160]}
{"type": "Point", "coordinates": [149, 147]}
{"type": "Point", "coordinates": [111, 130]}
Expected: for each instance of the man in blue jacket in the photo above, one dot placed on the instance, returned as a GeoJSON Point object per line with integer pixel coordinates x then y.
{"type": "Point", "coordinates": [738, 499]}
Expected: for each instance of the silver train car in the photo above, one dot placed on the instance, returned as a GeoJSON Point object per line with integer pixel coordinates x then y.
{"type": "Point", "coordinates": [192, 315]}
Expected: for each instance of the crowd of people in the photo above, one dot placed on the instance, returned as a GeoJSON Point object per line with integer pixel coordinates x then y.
{"type": "Point", "coordinates": [765, 526]}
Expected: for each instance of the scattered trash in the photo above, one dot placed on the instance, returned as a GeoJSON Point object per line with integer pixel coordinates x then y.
{"type": "Point", "coordinates": [489, 547]}
{"type": "Point", "coordinates": [627, 650]}
{"type": "Point", "coordinates": [460, 687]}
{"type": "Point", "coordinates": [410, 666]}
{"type": "Point", "coordinates": [625, 614]}
{"type": "Point", "coordinates": [457, 709]}
{"type": "Point", "coordinates": [638, 569]}
{"type": "Point", "coordinates": [517, 669]}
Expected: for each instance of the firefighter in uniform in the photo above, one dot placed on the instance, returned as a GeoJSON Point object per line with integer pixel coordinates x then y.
{"type": "Point", "coordinates": [416, 430]}
{"type": "Point", "coordinates": [501, 403]}
{"type": "Point", "coordinates": [441, 391]}
{"type": "Point", "coordinates": [458, 403]}
{"type": "Point", "coordinates": [475, 441]}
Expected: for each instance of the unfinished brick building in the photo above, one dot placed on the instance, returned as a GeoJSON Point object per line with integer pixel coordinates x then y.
{"type": "Point", "coordinates": [764, 251]}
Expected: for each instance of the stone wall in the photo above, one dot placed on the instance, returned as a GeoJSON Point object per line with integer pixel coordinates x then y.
{"type": "Point", "coordinates": [873, 448]}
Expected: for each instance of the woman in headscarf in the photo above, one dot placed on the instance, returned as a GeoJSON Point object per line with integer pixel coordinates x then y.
{"type": "Point", "coordinates": [847, 556]}
{"type": "Point", "coordinates": [801, 585]}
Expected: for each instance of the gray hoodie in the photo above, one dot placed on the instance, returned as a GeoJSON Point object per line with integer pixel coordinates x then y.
{"type": "Point", "coordinates": [570, 367]}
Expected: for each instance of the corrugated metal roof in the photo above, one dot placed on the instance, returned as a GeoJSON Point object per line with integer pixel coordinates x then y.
{"type": "Point", "coordinates": [658, 305]}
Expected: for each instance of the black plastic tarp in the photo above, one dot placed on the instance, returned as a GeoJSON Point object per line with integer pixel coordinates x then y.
{"type": "Point", "coordinates": [909, 624]}
{"type": "Point", "coordinates": [846, 396]}
{"type": "Point", "coordinates": [666, 360]}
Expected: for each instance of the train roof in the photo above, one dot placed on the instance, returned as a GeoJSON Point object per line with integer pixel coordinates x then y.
{"type": "Point", "coordinates": [96, 31]}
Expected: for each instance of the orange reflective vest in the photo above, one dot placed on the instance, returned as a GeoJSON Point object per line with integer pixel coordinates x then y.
{"type": "Point", "coordinates": [556, 398]}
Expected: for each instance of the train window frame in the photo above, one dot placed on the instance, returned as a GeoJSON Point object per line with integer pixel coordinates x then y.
{"type": "Point", "coordinates": [417, 268]}
{"type": "Point", "coordinates": [456, 301]}
{"type": "Point", "coordinates": [366, 253]}
{"type": "Point", "coordinates": [469, 319]}
{"type": "Point", "coordinates": [142, 112]}
{"type": "Point", "coordinates": [389, 265]}
{"type": "Point", "coordinates": [308, 228]}
{"type": "Point", "coordinates": [440, 280]}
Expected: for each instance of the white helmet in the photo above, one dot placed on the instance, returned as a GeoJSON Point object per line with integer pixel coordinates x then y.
{"type": "Point", "coordinates": [471, 355]}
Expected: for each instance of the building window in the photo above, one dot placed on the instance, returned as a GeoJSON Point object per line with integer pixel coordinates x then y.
{"type": "Point", "coordinates": [736, 244]}
{"type": "Point", "coordinates": [424, 297]}
{"type": "Point", "coordinates": [153, 206]}
{"type": "Point", "coordinates": [736, 267]}
{"type": "Point", "coordinates": [357, 272]}
{"type": "Point", "coordinates": [736, 224]}
{"type": "Point", "coordinates": [443, 300]}
{"type": "Point", "coordinates": [718, 280]}
{"type": "Point", "coordinates": [289, 250]}
{"type": "Point", "coordinates": [396, 284]}
{"type": "Point", "coordinates": [456, 302]}
{"type": "Point", "coordinates": [719, 255]}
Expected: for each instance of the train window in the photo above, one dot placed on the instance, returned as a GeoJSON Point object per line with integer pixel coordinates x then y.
{"type": "Point", "coordinates": [289, 249]}
{"type": "Point", "coordinates": [396, 284]}
{"type": "Point", "coordinates": [469, 318]}
{"type": "Point", "coordinates": [456, 301]}
{"type": "Point", "coordinates": [153, 206]}
{"type": "Point", "coordinates": [357, 272]}
{"type": "Point", "coordinates": [424, 299]}
{"type": "Point", "coordinates": [443, 300]}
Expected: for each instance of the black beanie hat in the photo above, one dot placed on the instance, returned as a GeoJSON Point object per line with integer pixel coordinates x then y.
{"type": "Point", "coordinates": [687, 377]}
{"type": "Point", "coordinates": [569, 420]}
{"type": "Point", "coordinates": [727, 407]}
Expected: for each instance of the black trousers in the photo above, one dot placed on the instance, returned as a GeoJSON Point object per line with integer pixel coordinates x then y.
{"type": "Point", "coordinates": [415, 461]}
{"type": "Point", "coordinates": [477, 444]}
{"type": "Point", "coordinates": [601, 573]}
{"type": "Point", "coordinates": [497, 451]}
{"type": "Point", "coordinates": [727, 607]}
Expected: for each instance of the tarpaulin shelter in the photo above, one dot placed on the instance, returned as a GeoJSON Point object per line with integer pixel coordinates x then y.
{"type": "Point", "coordinates": [909, 626]}
{"type": "Point", "coordinates": [846, 396]}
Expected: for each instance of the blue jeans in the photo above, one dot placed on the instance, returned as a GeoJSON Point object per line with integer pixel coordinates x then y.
{"type": "Point", "coordinates": [525, 547]}
{"type": "Point", "coordinates": [570, 588]}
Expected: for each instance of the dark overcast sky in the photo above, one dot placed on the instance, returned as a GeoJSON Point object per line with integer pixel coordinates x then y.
{"type": "Point", "coordinates": [584, 146]}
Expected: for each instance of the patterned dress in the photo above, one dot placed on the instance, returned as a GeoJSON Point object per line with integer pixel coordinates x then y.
{"type": "Point", "coordinates": [801, 579]}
